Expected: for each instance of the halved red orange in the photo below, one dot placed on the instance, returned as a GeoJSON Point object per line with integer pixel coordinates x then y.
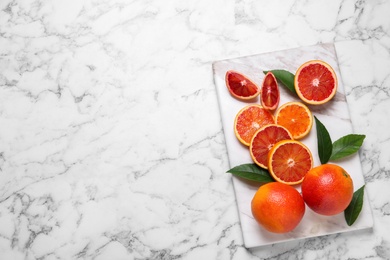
{"type": "Point", "coordinates": [270, 94]}
{"type": "Point", "coordinates": [240, 86]}
{"type": "Point", "coordinates": [263, 140]}
{"type": "Point", "coordinates": [315, 82]}
{"type": "Point", "coordinates": [296, 117]}
{"type": "Point", "coordinates": [289, 161]}
{"type": "Point", "coordinates": [250, 119]}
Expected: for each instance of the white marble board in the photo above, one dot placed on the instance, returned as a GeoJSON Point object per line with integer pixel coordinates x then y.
{"type": "Point", "coordinates": [334, 115]}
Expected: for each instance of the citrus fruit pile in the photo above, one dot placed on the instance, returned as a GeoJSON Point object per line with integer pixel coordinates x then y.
{"type": "Point", "coordinates": [272, 134]}
{"type": "Point", "coordinates": [273, 140]}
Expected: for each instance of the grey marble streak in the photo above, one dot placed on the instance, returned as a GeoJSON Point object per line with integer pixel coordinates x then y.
{"type": "Point", "coordinates": [111, 144]}
{"type": "Point", "coordinates": [320, 21]}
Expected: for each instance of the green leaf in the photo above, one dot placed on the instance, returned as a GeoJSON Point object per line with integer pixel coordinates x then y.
{"type": "Point", "coordinates": [251, 172]}
{"type": "Point", "coordinates": [324, 142]}
{"type": "Point", "coordinates": [346, 145]}
{"type": "Point", "coordinates": [352, 212]}
{"type": "Point", "coordinates": [285, 77]}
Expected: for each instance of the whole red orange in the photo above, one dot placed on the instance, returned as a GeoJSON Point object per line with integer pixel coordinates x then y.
{"type": "Point", "coordinates": [327, 189]}
{"type": "Point", "coordinates": [278, 207]}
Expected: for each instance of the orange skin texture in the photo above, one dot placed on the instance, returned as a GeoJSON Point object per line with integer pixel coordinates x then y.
{"type": "Point", "coordinates": [327, 189]}
{"type": "Point", "coordinates": [278, 207]}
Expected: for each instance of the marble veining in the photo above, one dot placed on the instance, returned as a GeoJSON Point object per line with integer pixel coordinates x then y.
{"type": "Point", "coordinates": [111, 139]}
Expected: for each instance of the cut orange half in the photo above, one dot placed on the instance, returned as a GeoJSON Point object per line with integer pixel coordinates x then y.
{"type": "Point", "coordinates": [240, 86]}
{"type": "Point", "coordinates": [296, 117]}
{"type": "Point", "coordinates": [250, 119]}
{"type": "Point", "coordinates": [270, 95]}
{"type": "Point", "coordinates": [289, 161]}
{"type": "Point", "coordinates": [264, 139]}
{"type": "Point", "coordinates": [315, 82]}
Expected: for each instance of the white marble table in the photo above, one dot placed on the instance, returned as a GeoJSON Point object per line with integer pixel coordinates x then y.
{"type": "Point", "coordinates": [111, 141]}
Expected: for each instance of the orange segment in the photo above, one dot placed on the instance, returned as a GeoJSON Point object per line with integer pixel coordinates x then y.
{"type": "Point", "coordinates": [264, 139]}
{"type": "Point", "coordinates": [250, 119]}
{"type": "Point", "coordinates": [289, 161]}
{"type": "Point", "coordinates": [240, 86]}
{"type": "Point", "coordinates": [270, 95]}
{"type": "Point", "coordinates": [315, 82]}
{"type": "Point", "coordinates": [296, 117]}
